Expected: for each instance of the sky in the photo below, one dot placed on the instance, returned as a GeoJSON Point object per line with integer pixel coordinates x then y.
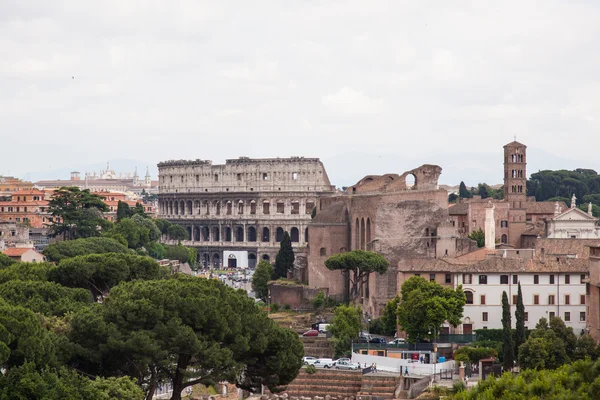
{"type": "Point", "coordinates": [368, 87]}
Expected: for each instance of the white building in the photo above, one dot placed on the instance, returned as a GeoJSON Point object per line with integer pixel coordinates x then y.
{"type": "Point", "coordinates": [573, 224]}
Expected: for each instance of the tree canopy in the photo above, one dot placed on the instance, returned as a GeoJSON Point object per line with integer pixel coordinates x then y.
{"type": "Point", "coordinates": [5, 260]}
{"type": "Point", "coordinates": [76, 213]}
{"type": "Point", "coordinates": [345, 327]}
{"type": "Point", "coordinates": [260, 280]}
{"type": "Point", "coordinates": [284, 261]}
{"type": "Point", "coordinates": [80, 247]}
{"type": "Point", "coordinates": [389, 316]}
{"type": "Point", "coordinates": [48, 298]}
{"type": "Point", "coordinates": [426, 305]}
{"type": "Point", "coordinates": [359, 264]}
{"type": "Point", "coordinates": [479, 236]}
{"type": "Point", "coordinates": [190, 330]}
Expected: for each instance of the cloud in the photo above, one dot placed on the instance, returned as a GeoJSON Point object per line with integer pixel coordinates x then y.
{"type": "Point", "coordinates": [350, 101]}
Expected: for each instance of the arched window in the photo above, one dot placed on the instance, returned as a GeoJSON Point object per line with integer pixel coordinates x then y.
{"type": "Point", "coordinates": [240, 207]}
{"type": "Point", "coordinates": [229, 207]}
{"type": "Point", "coordinates": [279, 234]}
{"type": "Point", "coordinates": [265, 257]}
{"type": "Point", "coordinates": [189, 231]}
{"type": "Point", "coordinates": [251, 260]}
{"type": "Point", "coordinates": [504, 239]}
{"type": "Point", "coordinates": [189, 207]}
{"type": "Point", "coordinates": [206, 260]}
{"type": "Point", "coordinates": [216, 234]}
{"type": "Point", "coordinates": [216, 260]}
{"type": "Point", "coordinates": [322, 252]}
{"type": "Point", "coordinates": [306, 235]}
{"type": "Point", "coordinates": [357, 235]}
{"type": "Point", "coordinates": [369, 244]}
{"type": "Point", "coordinates": [362, 234]}
{"type": "Point", "coordinates": [176, 208]}
{"type": "Point", "coordinates": [228, 234]}
{"type": "Point", "coordinates": [252, 234]}
{"type": "Point", "coordinates": [196, 236]}
{"type": "Point", "coordinates": [205, 234]}
{"type": "Point", "coordinates": [266, 235]}
{"type": "Point", "coordinates": [295, 235]}
{"type": "Point", "coordinates": [239, 234]}
{"type": "Point", "coordinates": [469, 296]}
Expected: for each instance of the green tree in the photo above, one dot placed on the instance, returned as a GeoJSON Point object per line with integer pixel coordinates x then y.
{"type": "Point", "coordinates": [424, 303]}
{"type": "Point", "coordinates": [123, 211]}
{"type": "Point", "coordinates": [479, 236]}
{"type": "Point", "coordinates": [586, 347]}
{"type": "Point", "coordinates": [260, 280]}
{"type": "Point", "coordinates": [345, 328]}
{"type": "Point", "coordinates": [55, 252]}
{"type": "Point", "coordinates": [284, 261]}
{"type": "Point", "coordinates": [358, 264]}
{"type": "Point", "coordinates": [26, 272]}
{"type": "Point", "coordinates": [139, 210]}
{"type": "Point", "coordinates": [548, 346]}
{"type": "Point", "coordinates": [47, 298]}
{"type": "Point", "coordinates": [5, 260]}
{"type": "Point", "coordinates": [137, 230]}
{"type": "Point", "coordinates": [508, 353]}
{"type": "Point", "coordinates": [452, 197]}
{"type": "Point", "coordinates": [181, 253]}
{"type": "Point", "coordinates": [177, 232]}
{"type": "Point", "coordinates": [463, 192]}
{"type": "Point", "coordinates": [520, 334]}
{"type": "Point", "coordinates": [390, 316]}
{"type": "Point", "coordinates": [472, 354]}
{"type": "Point", "coordinates": [76, 213]}
{"type": "Point", "coordinates": [319, 301]}
{"type": "Point", "coordinates": [190, 330]}
{"type": "Point", "coordinates": [483, 190]}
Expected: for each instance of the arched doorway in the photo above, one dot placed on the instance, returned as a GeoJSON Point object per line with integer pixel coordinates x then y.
{"type": "Point", "coordinates": [231, 261]}
{"type": "Point", "coordinates": [252, 234]}
{"type": "Point", "coordinates": [294, 235]}
{"type": "Point", "coordinates": [216, 235]}
{"type": "Point", "coordinates": [205, 234]}
{"type": "Point", "coordinates": [196, 234]}
{"type": "Point", "coordinates": [251, 260]}
{"type": "Point", "coordinates": [216, 261]}
{"type": "Point", "coordinates": [228, 234]}
{"type": "Point", "coordinates": [279, 234]}
{"type": "Point", "coordinates": [266, 235]}
{"type": "Point", "coordinates": [206, 260]}
{"type": "Point", "coordinates": [266, 257]}
{"type": "Point", "coordinates": [504, 239]}
{"type": "Point", "coordinates": [239, 234]}
{"type": "Point", "coordinates": [189, 231]}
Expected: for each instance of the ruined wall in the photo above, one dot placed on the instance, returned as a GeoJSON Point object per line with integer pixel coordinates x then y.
{"type": "Point", "coordinates": [296, 296]}
{"type": "Point", "coordinates": [327, 240]}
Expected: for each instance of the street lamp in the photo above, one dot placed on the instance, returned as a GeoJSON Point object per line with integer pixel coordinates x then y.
{"type": "Point", "coordinates": [434, 353]}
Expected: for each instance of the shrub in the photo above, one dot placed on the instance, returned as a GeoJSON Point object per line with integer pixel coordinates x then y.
{"type": "Point", "coordinates": [274, 307]}
{"type": "Point", "coordinates": [318, 301]}
{"type": "Point", "coordinates": [458, 386]}
{"type": "Point", "coordinates": [287, 307]}
{"type": "Point", "coordinates": [311, 369]}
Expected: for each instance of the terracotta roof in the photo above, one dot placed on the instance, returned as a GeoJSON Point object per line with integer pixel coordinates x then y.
{"type": "Point", "coordinates": [579, 247]}
{"type": "Point", "coordinates": [542, 207]}
{"type": "Point", "coordinates": [496, 265]}
{"type": "Point", "coordinates": [16, 251]}
{"type": "Point", "coordinates": [514, 143]}
{"type": "Point", "coordinates": [459, 209]}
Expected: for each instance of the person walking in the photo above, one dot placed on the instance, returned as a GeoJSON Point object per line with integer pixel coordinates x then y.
{"type": "Point", "coordinates": [406, 371]}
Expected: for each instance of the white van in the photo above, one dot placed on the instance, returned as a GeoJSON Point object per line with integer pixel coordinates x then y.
{"type": "Point", "coordinates": [323, 328]}
{"type": "Point", "coordinates": [324, 363]}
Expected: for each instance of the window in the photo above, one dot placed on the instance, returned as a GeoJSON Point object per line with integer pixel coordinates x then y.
{"type": "Point", "coordinates": [431, 277]}
{"type": "Point", "coordinates": [322, 252]}
{"type": "Point", "coordinates": [551, 299]}
{"type": "Point", "coordinates": [266, 205]}
{"type": "Point", "coordinates": [552, 279]}
{"type": "Point", "coordinates": [551, 314]}
{"type": "Point", "coordinates": [582, 316]}
{"type": "Point", "coordinates": [483, 279]}
{"type": "Point", "coordinates": [515, 297]}
{"type": "Point", "coordinates": [567, 279]}
{"type": "Point", "coordinates": [467, 278]}
{"type": "Point", "coordinates": [536, 299]}
{"type": "Point", "coordinates": [482, 299]}
{"type": "Point", "coordinates": [239, 177]}
{"type": "Point", "coordinates": [265, 176]}
{"type": "Point", "coordinates": [280, 207]}
{"type": "Point", "coordinates": [504, 279]}
{"type": "Point", "coordinates": [295, 208]}
{"type": "Point", "coordinates": [216, 177]}
{"type": "Point", "coordinates": [567, 316]}
{"type": "Point", "coordinates": [469, 296]}
{"type": "Point", "coordinates": [582, 278]}
{"type": "Point", "coordinates": [294, 175]}
{"type": "Point", "coordinates": [536, 279]}
{"type": "Point", "coordinates": [582, 299]}
{"type": "Point", "coordinates": [448, 278]}
{"type": "Point", "coordinates": [567, 299]}
{"type": "Point", "coordinates": [503, 224]}
{"type": "Point", "coordinates": [309, 207]}
{"type": "Point", "coordinates": [526, 316]}
{"type": "Point", "coordinates": [515, 279]}
{"type": "Point", "coordinates": [484, 316]}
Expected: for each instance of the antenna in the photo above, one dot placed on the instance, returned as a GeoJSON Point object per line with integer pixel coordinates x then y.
{"type": "Point", "coordinates": [515, 138]}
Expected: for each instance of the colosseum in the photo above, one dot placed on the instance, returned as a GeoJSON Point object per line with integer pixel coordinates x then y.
{"type": "Point", "coordinates": [237, 213]}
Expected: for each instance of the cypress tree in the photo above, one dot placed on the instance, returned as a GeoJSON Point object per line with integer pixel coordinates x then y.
{"type": "Point", "coordinates": [519, 322]}
{"type": "Point", "coordinates": [284, 261]}
{"type": "Point", "coordinates": [123, 210]}
{"type": "Point", "coordinates": [463, 192]}
{"type": "Point", "coordinates": [507, 340]}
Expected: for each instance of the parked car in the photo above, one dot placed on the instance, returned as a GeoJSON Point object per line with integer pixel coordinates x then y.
{"type": "Point", "coordinates": [312, 332]}
{"type": "Point", "coordinates": [363, 339]}
{"type": "Point", "coordinates": [323, 328]}
{"type": "Point", "coordinates": [308, 360]}
{"type": "Point", "coordinates": [397, 341]}
{"type": "Point", "coordinates": [377, 340]}
{"type": "Point", "coordinates": [346, 365]}
{"type": "Point", "coordinates": [324, 363]}
{"type": "Point", "coordinates": [342, 359]}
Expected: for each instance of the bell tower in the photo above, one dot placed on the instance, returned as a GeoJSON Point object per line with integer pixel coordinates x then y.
{"type": "Point", "coordinates": [515, 174]}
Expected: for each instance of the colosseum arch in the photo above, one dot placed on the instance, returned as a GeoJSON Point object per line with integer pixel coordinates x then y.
{"type": "Point", "coordinates": [251, 234]}
{"type": "Point", "coordinates": [279, 234]}
{"type": "Point", "coordinates": [216, 234]}
{"type": "Point", "coordinates": [205, 234]}
{"type": "Point", "coordinates": [295, 235]}
{"type": "Point", "coordinates": [266, 234]}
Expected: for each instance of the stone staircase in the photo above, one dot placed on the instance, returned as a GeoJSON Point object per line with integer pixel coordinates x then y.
{"type": "Point", "coordinates": [380, 387]}
{"type": "Point", "coordinates": [326, 382]}
{"type": "Point", "coordinates": [318, 347]}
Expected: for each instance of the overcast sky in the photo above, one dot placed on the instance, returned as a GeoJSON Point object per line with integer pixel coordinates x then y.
{"type": "Point", "coordinates": [82, 82]}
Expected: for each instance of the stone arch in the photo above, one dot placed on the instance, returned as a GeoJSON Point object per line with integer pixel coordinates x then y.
{"type": "Point", "coordinates": [504, 238]}
{"type": "Point", "coordinates": [206, 206]}
{"type": "Point", "coordinates": [218, 207]}
{"type": "Point", "coordinates": [228, 234]}
{"type": "Point", "coordinates": [216, 260]}
{"type": "Point", "coordinates": [279, 234]}
{"type": "Point", "coordinates": [357, 235]}
{"type": "Point", "coordinates": [266, 234]}
{"type": "Point", "coordinates": [206, 260]}
{"type": "Point", "coordinates": [205, 234]}
{"type": "Point", "coordinates": [197, 206]}
{"type": "Point", "coordinates": [170, 208]}
{"type": "Point", "coordinates": [240, 207]}
{"type": "Point", "coordinates": [411, 181]}
{"type": "Point", "coordinates": [196, 236]}
{"type": "Point", "coordinates": [216, 234]}
{"type": "Point", "coordinates": [251, 234]}
{"type": "Point", "coordinates": [229, 208]}
{"type": "Point", "coordinates": [306, 235]}
{"type": "Point", "coordinates": [266, 257]}
{"type": "Point", "coordinates": [251, 260]}
{"type": "Point", "coordinates": [189, 231]}
{"type": "Point", "coordinates": [239, 234]}
{"type": "Point", "coordinates": [182, 207]}
{"type": "Point", "coordinates": [362, 233]}
{"type": "Point", "coordinates": [295, 235]}
{"type": "Point", "coordinates": [176, 208]}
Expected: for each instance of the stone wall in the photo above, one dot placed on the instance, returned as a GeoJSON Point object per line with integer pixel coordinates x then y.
{"type": "Point", "coordinates": [296, 296]}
